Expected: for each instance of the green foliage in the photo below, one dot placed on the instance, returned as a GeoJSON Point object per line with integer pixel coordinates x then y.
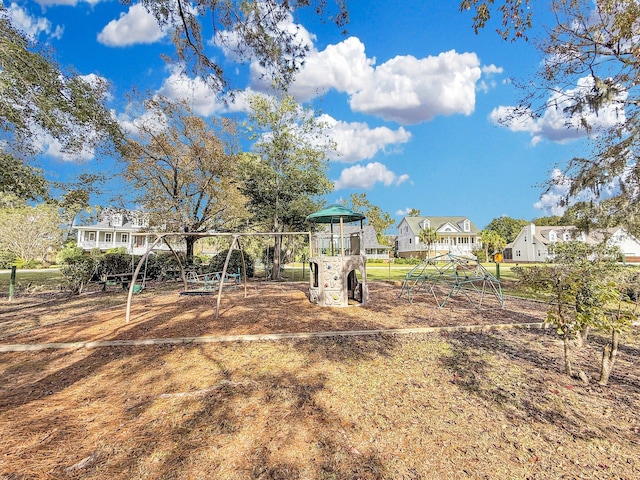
{"type": "Point", "coordinates": [78, 272]}
{"type": "Point", "coordinates": [583, 283]}
{"type": "Point", "coordinates": [113, 263]}
{"type": "Point", "coordinates": [23, 181]}
{"type": "Point", "coordinates": [69, 252]}
{"type": "Point", "coordinates": [285, 176]}
{"type": "Point", "coordinates": [7, 259]}
{"type": "Point", "coordinates": [216, 264]}
{"type": "Point", "coordinates": [22, 263]}
{"type": "Point", "coordinates": [30, 232]}
{"type": "Point", "coordinates": [37, 95]}
{"type": "Point", "coordinates": [159, 264]}
{"type": "Point", "coordinates": [507, 227]}
{"type": "Point", "coordinates": [379, 220]}
{"type": "Point", "coordinates": [260, 27]}
{"type": "Point", "coordinates": [492, 242]}
{"type": "Point", "coordinates": [187, 176]}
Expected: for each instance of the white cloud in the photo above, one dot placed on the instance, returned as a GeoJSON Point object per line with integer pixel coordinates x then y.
{"type": "Point", "coordinates": [356, 141]}
{"type": "Point", "coordinates": [367, 176]}
{"type": "Point", "coordinates": [344, 67]}
{"type": "Point", "coordinates": [135, 26]}
{"type": "Point", "coordinates": [405, 89]}
{"type": "Point", "coordinates": [30, 25]}
{"type": "Point", "coordinates": [403, 212]}
{"type": "Point", "coordinates": [555, 124]}
{"type": "Point", "coordinates": [410, 90]}
{"type": "Point", "coordinates": [201, 98]}
{"type": "Point", "coordinates": [549, 202]}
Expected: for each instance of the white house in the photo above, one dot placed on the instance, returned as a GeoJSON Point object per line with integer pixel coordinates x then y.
{"type": "Point", "coordinates": [533, 242]}
{"type": "Point", "coordinates": [115, 229]}
{"type": "Point", "coordinates": [456, 235]}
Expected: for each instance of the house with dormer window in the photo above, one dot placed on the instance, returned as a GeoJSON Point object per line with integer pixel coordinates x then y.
{"type": "Point", "coordinates": [457, 235]}
{"type": "Point", "coordinates": [533, 242]}
{"type": "Point", "coordinates": [115, 229]}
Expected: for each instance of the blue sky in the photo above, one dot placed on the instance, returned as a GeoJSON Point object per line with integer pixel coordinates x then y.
{"type": "Point", "coordinates": [412, 95]}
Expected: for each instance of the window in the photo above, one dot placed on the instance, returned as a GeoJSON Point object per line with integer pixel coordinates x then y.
{"type": "Point", "coordinates": [567, 236]}
{"type": "Point", "coordinates": [92, 236]}
{"type": "Point", "coordinates": [117, 220]}
{"type": "Point", "coordinates": [466, 226]}
{"type": "Point", "coordinates": [124, 238]}
{"type": "Point", "coordinates": [517, 253]}
{"type": "Point", "coordinates": [552, 236]}
{"type": "Point", "coordinates": [107, 237]}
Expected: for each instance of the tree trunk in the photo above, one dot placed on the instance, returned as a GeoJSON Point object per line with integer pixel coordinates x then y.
{"type": "Point", "coordinates": [189, 254]}
{"type": "Point", "coordinates": [568, 367]}
{"type": "Point", "coordinates": [581, 337]}
{"type": "Point", "coordinates": [277, 247]}
{"type": "Point", "coordinates": [609, 355]}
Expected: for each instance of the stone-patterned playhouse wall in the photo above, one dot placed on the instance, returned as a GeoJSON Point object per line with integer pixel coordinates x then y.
{"type": "Point", "coordinates": [333, 280]}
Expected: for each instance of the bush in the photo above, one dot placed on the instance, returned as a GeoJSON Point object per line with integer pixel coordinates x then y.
{"type": "Point", "coordinates": [216, 264]}
{"type": "Point", "coordinates": [159, 264]}
{"type": "Point", "coordinates": [68, 253]}
{"type": "Point", "coordinates": [7, 259]}
{"type": "Point", "coordinates": [77, 272]}
{"type": "Point", "coordinates": [112, 263]}
{"type": "Point", "coordinates": [22, 263]}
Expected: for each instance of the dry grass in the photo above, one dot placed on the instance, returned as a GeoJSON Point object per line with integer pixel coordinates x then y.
{"type": "Point", "coordinates": [492, 405]}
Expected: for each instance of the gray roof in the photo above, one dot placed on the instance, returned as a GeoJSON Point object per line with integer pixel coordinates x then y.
{"type": "Point", "coordinates": [439, 222]}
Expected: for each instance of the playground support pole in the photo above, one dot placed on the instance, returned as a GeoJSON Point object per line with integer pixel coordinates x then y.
{"type": "Point", "coordinates": [12, 282]}
{"type": "Point", "coordinates": [498, 271]}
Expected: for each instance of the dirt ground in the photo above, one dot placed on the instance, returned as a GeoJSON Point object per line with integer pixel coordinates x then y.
{"type": "Point", "coordinates": [266, 308]}
{"type": "Point", "coordinates": [492, 404]}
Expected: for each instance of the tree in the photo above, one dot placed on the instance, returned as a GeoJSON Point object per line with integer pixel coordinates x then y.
{"type": "Point", "coordinates": [582, 285]}
{"type": "Point", "coordinates": [30, 232]}
{"type": "Point", "coordinates": [414, 212]}
{"type": "Point", "coordinates": [257, 29]}
{"type": "Point", "coordinates": [428, 236]}
{"type": "Point", "coordinates": [590, 70]}
{"type": "Point", "coordinates": [38, 96]}
{"type": "Point", "coordinates": [285, 174]}
{"type": "Point", "coordinates": [379, 220]}
{"type": "Point", "coordinates": [22, 181]}
{"type": "Point", "coordinates": [507, 227]}
{"type": "Point", "coordinates": [492, 240]}
{"type": "Point", "coordinates": [185, 170]}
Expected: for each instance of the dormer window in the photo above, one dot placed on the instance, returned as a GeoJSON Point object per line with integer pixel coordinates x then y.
{"type": "Point", "coordinates": [566, 236]}
{"type": "Point", "coordinates": [552, 236]}
{"type": "Point", "coordinates": [116, 220]}
{"type": "Point", "coordinates": [466, 226]}
{"type": "Point", "coordinates": [425, 224]}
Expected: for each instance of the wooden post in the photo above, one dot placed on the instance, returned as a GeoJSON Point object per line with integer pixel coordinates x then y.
{"type": "Point", "coordinates": [12, 282]}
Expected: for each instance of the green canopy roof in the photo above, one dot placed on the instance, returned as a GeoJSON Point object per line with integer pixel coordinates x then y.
{"type": "Point", "coordinates": [333, 214]}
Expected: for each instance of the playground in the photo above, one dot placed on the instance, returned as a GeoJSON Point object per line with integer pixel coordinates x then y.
{"type": "Point", "coordinates": [277, 387]}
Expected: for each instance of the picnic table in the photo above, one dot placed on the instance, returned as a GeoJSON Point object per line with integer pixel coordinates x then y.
{"type": "Point", "coordinates": [123, 279]}
{"type": "Point", "coordinates": [208, 282]}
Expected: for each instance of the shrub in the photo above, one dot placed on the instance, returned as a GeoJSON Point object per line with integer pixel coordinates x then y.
{"type": "Point", "coordinates": [160, 263]}
{"type": "Point", "coordinates": [7, 259]}
{"type": "Point", "coordinates": [216, 264]}
{"type": "Point", "coordinates": [22, 263]}
{"type": "Point", "coordinates": [77, 272]}
{"type": "Point", "coordinates": [70, 252]}
{"type": "Point", "coordinates": [111, 263]}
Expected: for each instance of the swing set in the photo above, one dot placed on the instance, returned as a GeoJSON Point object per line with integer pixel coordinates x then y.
{"type": "Point", "coordinates": [205, 284]}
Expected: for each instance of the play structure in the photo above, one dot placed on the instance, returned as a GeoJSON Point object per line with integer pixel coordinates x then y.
{"type": "Point", "coordinates": [446, 276]}
{"type": "Point", "coordinates": [336, 260]}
